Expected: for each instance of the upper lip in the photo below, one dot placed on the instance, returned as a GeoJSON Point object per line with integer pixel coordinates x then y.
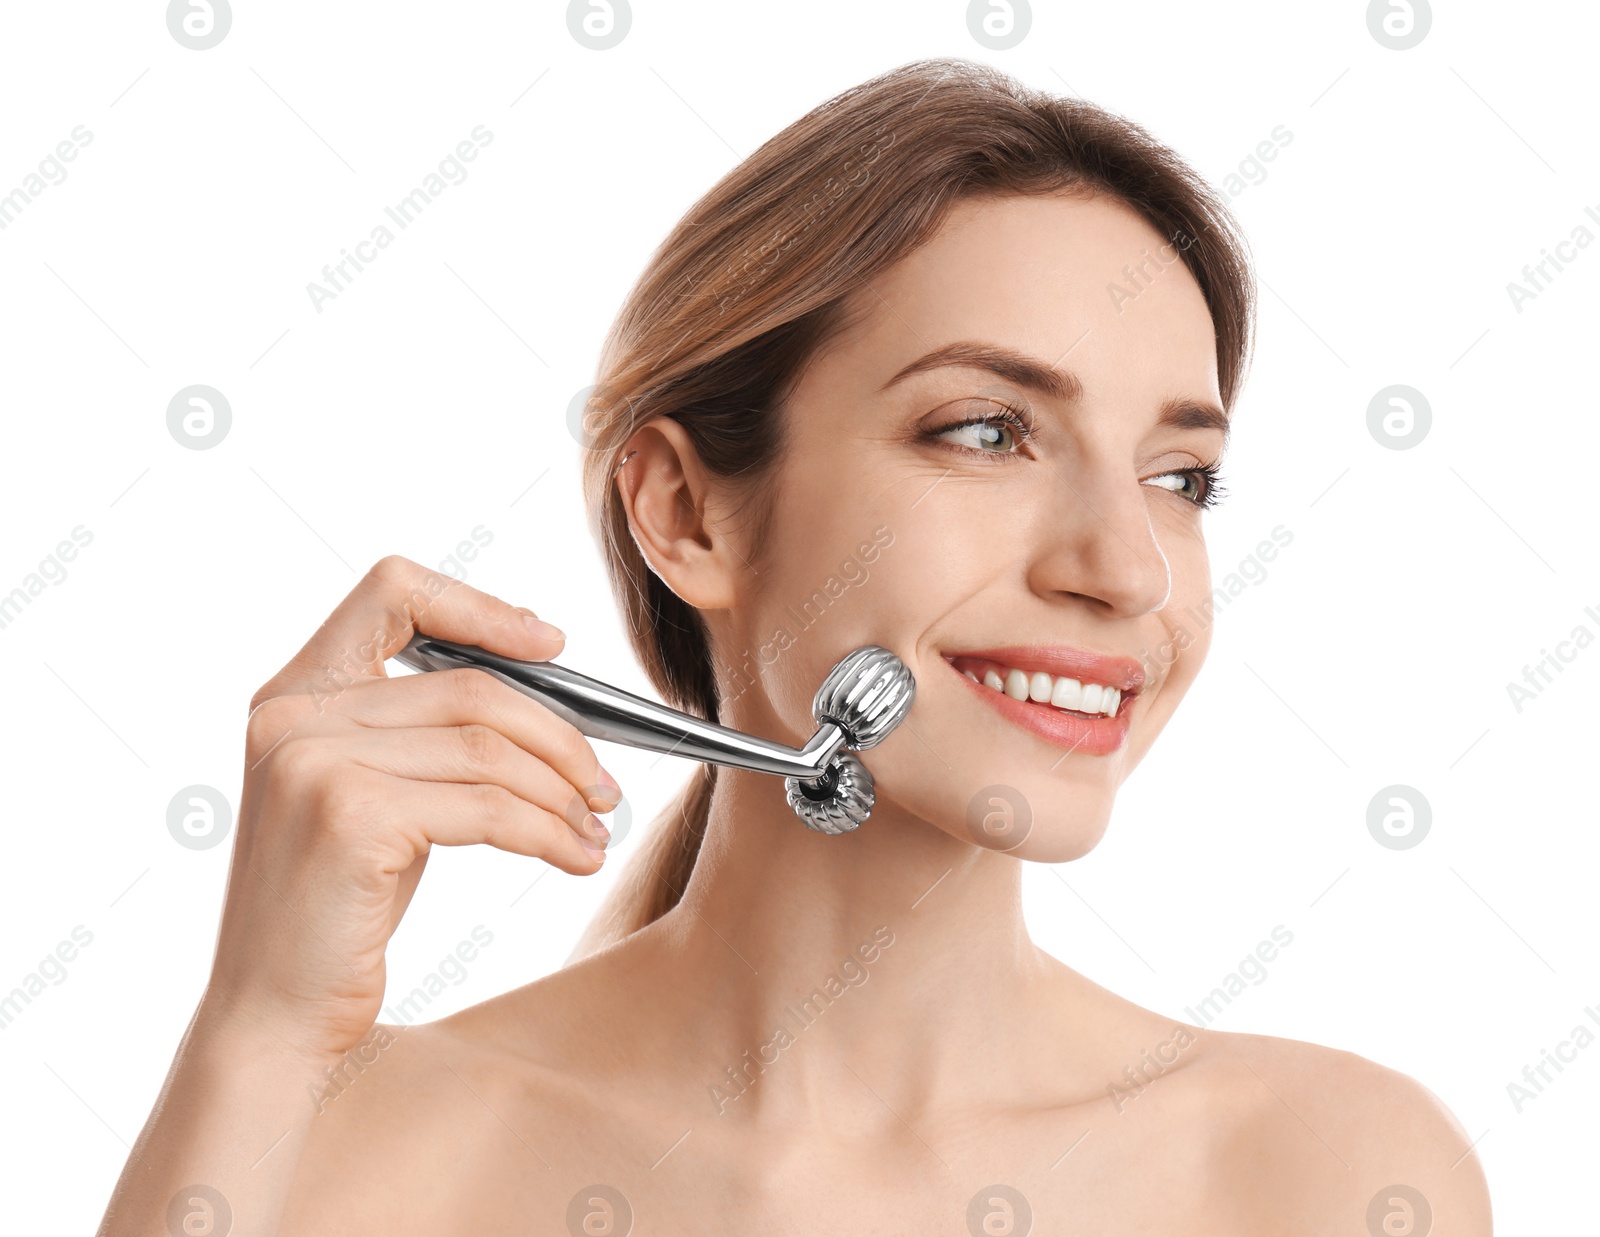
{"type": "Point", "coordinates": [1123, 673]}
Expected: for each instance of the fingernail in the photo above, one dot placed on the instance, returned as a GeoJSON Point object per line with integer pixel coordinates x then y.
{"type": "Point", "coordinates": [596, 826]}
{"type": "Point", "coordinates": [594, 850]}
{"type": "Point", "coordinates": [607, 794]}
{"type": "Point", "coordinates": [541, 628]}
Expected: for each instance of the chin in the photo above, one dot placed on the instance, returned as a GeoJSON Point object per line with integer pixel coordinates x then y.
{"type": "Point", "coordinates": [1037, 820]}
{"type": "Point", "coordinates": [1028, 813]}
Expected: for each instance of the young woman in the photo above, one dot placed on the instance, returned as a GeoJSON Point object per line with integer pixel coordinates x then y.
{"type": "Point", "coordinates": [945, 366]}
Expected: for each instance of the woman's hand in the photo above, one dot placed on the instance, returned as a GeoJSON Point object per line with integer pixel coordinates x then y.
{"type": "Point", "coordinates": [350, 778]}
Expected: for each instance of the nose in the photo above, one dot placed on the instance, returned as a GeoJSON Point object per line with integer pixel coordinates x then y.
{"type": "Point", "coordinates": [1101, 542]}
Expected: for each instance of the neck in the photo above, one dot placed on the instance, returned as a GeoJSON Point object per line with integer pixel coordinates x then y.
{"type": "Point", "coordinates": [896, 953]}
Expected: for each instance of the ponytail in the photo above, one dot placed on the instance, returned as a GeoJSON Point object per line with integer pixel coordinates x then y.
{"type": "Point", "coordinates": [655, 877]}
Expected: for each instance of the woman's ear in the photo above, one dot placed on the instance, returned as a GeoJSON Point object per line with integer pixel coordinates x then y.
{"type": "Point", "coordinates": [673, 515]}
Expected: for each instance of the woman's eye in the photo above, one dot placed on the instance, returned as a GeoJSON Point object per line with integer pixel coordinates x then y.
{"type": "Point", "coordinates": [1183, 483]}
{"type": "Point", "coordinates": [1200, 486]}
{"type": "Point", "coordinates": [983, 434]}
{"type": "Point", "coordinates": [998, 434]}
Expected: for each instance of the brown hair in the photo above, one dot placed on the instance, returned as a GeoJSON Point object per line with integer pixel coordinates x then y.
{"type": "Point", "coordinates": [758, 277]}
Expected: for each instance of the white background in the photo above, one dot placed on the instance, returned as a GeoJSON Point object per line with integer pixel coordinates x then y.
{"type": "Point", "coordinates": [430, 397]}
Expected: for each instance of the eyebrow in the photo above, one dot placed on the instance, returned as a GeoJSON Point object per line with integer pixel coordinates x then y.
{"type": "Point", "coordinates": [1059, 384]}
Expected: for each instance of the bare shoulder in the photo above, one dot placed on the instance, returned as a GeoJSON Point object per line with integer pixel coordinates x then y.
{"type": "Point", "coordinates": [395, 1135]}
{"type": "Point", "coordinates": [1330, 1142]}
{"type": "Point", "coordinates": [439, 1127]}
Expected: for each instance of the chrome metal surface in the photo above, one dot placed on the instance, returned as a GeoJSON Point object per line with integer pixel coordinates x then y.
{"type": "Point", "coordinates": [868, 693]}
{"type": "Point", "coordinates": [863, 698]}
{"type": "Point", "coordinates": [837, 802]}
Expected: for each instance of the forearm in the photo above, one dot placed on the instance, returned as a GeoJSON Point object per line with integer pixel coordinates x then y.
{"type": "Point", "coordinates": [232, 1115]}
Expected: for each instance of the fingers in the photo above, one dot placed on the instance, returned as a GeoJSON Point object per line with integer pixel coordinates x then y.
{"type": "Point", "coordinates": [396, 598]}
{"type": "Point", "coordinates": [471, 697]}
{"type": "Point", "coordinates": [427, 813]}
{"type": "Point", "coordinates": [474, 753]}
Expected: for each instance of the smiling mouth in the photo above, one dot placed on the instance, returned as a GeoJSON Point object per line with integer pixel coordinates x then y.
{"type": "Point", "coordinates": [1076, 696]}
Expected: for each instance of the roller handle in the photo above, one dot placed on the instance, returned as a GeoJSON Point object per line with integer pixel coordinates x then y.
{"type": "Point", "coordinates": [602, 711]}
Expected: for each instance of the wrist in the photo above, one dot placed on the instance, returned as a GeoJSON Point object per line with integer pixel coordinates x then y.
{"type": "Point", "coordinates": [233, 1032]}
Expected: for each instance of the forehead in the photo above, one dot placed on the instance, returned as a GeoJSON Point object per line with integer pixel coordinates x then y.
{"type": "Point", "coordinates": [1083, 281]}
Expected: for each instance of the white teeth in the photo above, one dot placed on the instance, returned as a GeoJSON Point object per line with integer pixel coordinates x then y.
{"type": "Point", "coordinates": [1062, 692]}
{"type": "Point", "coordinates": [1067, 694]}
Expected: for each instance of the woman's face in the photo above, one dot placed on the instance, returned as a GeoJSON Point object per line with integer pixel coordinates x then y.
{"type": "Point", "coordinates": [1074, 551]}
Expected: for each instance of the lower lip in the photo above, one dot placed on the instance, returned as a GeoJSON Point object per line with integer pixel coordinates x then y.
{"type": "Point", "coordinates": [1093, 736]}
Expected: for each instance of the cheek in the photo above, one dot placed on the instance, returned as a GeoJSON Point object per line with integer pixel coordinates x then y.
{"type": "Point", "coordinates": [830, 585]}
{"type": "Point", "coordinates": [1191, 610]}
{"type": "Point", "coordinates": [1179, 644]}
{"type": "Point", "coordinates": [883, 568]}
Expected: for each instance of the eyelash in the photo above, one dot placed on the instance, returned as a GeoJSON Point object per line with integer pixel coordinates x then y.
{"type": "Point", "coordinates": [1211, 476]}
{"type": "Point", "coordinates": [1022, 422]}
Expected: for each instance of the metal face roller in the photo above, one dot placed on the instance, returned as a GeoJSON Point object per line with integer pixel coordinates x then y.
{"type": "Point", "coordinates": [863, 698]}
